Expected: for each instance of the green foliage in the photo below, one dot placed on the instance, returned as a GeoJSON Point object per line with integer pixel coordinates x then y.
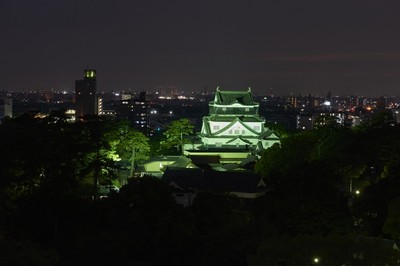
{"type": "Point", "coordinates": [131, 145]}
{"type": "Point", "coordinates": [278, 129]}
{"type": "Point", "coordinates": [292, 152]}
{"type": "Point", "coordinates": [62, 157]}
{"type": "Point", "coordinates": [305, 201]}
{"type": "Point", "coordinates": [19, 253]}
{"type": "Point", "coordinates": [378, 119]}
{"type": "Point", "coordinates": [222, 225]}
{"type": "Point", "coordinates": [343, 150]}
{"type": "Point", "coordinates": [392, 224]}
{"type": "Point", "coordinates": [146, 193]}
{"type": "Point", "coordinates": [331, 250]}
{"type": "Point", "coordinates": [124, 138]}
{"type": "Point", "coordinates": [142, 224]}
{"type": "Point", "coordinates": [49, 168]}
{"type": "Point", "coordinates": [176, 133]}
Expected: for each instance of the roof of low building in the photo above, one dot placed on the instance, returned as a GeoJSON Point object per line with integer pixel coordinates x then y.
{"type": "Point", "coordinates": [226, 181]}
{"type": "Point", "coordinates": [184, 178]}
{"type": "Point", "coordinates": [232, 181]}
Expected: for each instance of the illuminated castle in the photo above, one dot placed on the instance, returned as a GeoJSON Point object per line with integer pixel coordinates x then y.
{"type": "Point", "coordinates": [233, 124]}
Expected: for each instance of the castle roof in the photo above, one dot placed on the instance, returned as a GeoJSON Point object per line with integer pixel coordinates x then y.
{"type": "Point", "coordinates": [231, 97]}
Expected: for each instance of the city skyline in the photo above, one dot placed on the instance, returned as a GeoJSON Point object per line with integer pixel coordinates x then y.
{"type": "Point", "coordinates": [346, 47]}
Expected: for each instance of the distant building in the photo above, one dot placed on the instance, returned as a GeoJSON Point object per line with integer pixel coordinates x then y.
{"type": "Point", "coordinates": [396, 115]}
{"type": "Point", "coordinates": [124, 107]}
{"type": "Point", "coordinates": [5, 107]}
{"type": "Point", "coordinates": [308, 120]}
{"type": "Point", "coordinates": [86, 94]}
{"type": "Point", "coordinates": [294, 102]}
{"type": "Point", "coordinates": [99, 105]}
{"type": "Point", "coordinates": [305, 121]}
{"type": "Point", "coordinates": [140, 113]}
{"type": "Point", "coordinates": [135, 110]}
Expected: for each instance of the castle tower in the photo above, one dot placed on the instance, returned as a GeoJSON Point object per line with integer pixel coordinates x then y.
{"type": "Point", "coordinates": [234, 124]}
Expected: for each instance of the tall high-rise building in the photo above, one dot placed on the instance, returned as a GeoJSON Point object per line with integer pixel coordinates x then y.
{"type": "Point", "coordinates": [140, 113]}
{"type": "Point", "coordinates": [85, 94]}
{"type": "Point", "coordinates": [135, 110]}
{"type": "Point", "coordinates": [294, 102]}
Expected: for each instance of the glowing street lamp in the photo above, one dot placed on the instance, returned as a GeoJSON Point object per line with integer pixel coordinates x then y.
{"type": "Point", "coordinates": [316, 260]}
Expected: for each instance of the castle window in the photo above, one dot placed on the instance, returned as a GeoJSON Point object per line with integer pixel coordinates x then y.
{"type": "Point", "coordinates": [247, 109]}
{"type": "Point", "coordinates": [223, 109]}
{"type": "Point", "coordinates": [243, 132]}
{"type": "Point", "coordinates": [216, 127]}
{"type": "Point", "coordinates": [257, 128]}
{"type": "Point", "coordinates": [230, 132]}
{"type": "Point", "coordinates": [218, 144]}
{"type": "Point", "coordinates": [237, 131]}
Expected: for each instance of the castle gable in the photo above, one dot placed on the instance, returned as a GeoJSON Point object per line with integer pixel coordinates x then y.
{"type": "Point", "coordinates": [232, 97]}
{"type": "Point", "coordinates": [236, 127]}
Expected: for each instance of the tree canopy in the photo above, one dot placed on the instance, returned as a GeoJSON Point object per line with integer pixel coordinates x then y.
{"type": "Point", "coordinates": [175, 134]}
{"type": "Point", "coordinates": [50, 168]}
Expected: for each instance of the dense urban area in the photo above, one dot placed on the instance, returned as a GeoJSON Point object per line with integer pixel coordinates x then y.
{"type": "Point", "coordinates": [126, 184]}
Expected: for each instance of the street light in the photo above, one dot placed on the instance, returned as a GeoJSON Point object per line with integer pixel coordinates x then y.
{"type": "Point", "coordinates": [316, 260]}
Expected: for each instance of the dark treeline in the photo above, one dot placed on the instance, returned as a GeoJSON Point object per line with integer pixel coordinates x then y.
{"type": "Point", "coordinates": [335, 197]}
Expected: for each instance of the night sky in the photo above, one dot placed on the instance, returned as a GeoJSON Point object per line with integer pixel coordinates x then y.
{"type": "Point", "coordinates": [279, 47]}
